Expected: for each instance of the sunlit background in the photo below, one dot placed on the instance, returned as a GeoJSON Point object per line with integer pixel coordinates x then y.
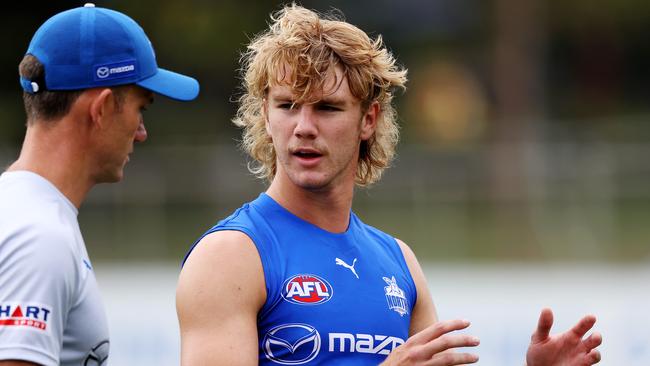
{"type": "Point", "coordinates": [522, 178]}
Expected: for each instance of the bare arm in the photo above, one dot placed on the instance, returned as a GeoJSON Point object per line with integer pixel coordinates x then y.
{"type": "Point", "coordinates": [430, 342]}
{"type": "Point", "coordinates": [16, 363]}
{"type": "Point", "coordinates": [220, 290]}
{"type": "Point", "coordinates": [424, 312]}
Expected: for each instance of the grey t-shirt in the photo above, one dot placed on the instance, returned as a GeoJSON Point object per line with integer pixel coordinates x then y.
{"type": "Point", "coordinates": [51, 312]}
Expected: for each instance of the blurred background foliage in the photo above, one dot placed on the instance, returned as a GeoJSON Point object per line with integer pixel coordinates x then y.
{"type": "Point", "coordinates": [525, 128]}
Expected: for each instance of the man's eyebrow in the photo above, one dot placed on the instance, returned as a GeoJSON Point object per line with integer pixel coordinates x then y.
{"type": "Point", "coordinates": [333, 100]}
{"type": "Point", "coordinates": [281, 96]}
{"type": "Point", "coordinates": [285, 96]}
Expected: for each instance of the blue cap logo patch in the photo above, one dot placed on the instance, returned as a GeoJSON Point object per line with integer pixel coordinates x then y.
{"type": "Point", "coordinates": [115, 70]}
{"type": "Point", "coordinates": [102, 72]}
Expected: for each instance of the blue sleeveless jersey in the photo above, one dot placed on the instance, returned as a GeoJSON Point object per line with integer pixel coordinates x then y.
{"type": "Point", "coordinates": [332, 299]}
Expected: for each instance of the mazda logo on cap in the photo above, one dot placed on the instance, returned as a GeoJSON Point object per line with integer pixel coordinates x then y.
{"type": "Point", "coordinates": [102, 72]}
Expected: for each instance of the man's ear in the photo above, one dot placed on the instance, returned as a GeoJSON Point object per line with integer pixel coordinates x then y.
{"type": "Point", "coordinates": [102, 105]}
{"type": "Point", "coordinates": [369, 121]}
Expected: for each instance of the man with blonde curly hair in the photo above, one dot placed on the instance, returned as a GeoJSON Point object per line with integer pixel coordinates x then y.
{"type": "Point", "coordinates": [295, 277]}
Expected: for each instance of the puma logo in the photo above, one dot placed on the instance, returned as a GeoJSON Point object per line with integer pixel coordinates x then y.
{"type": "Point", "coordinates": [340, 262]}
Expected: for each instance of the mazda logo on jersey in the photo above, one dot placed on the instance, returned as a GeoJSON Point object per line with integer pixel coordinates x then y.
{"type": "Point", "coordinates": [306, 289]}
{"type": "Point", "coordinates": [292, 344]}
{"type": "Point", "coordinates": [98, 354]}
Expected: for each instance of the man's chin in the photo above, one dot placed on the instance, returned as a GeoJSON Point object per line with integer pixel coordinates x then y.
{"type": "Point", "coordinates": [313, 184]}
{"type": "Point", "coordinates": [110, 177]}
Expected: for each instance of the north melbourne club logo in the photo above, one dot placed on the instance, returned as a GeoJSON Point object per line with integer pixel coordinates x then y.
{"type": "Point", "coordinates": [395, 296]}
{"type": "Point", "coordinates": [307, 289]}
{"type": "Point", "coordinates": [24, 315]}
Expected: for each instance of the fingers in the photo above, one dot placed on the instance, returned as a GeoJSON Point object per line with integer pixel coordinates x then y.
{"type": "Point", "coordinates": [437, 329]}
{"type": "Point", "coordinates": [437, 347]}
{"type": "Point", "coordinates": [593, 341]}
{"type": "Point", "coordinates": [544, 325]}
{"type": "Point", "coordinates": [593, 356]}
{"type": "Point", "coordinates": [453, 358]}
{"type": "Point", "coordinates": [583, 326]}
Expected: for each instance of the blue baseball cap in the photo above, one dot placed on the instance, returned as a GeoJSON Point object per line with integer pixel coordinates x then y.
{"type": "Point", "coordinates": [89, 47]}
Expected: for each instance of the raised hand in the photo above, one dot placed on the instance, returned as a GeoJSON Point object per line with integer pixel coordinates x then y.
{"type": "Point", "coordinates": [564, 349]}
{"type": "Point", "coordinates": [434, 346]}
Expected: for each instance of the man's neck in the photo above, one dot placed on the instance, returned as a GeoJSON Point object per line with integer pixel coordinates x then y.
{"type": "Point", "coordinates": [328, 209]}
{"type": "Point", "coordinates": [48, 152]}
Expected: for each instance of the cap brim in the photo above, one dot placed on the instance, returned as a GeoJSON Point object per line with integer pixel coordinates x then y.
{"type": "Point", "coordinates": [172, 85]}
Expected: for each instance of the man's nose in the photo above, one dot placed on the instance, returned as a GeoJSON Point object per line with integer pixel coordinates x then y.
{"type": "Point", "coordinates": [306, 125]}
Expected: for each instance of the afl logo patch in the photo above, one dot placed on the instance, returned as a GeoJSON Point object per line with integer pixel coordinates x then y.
{"type": "Point", "coordinates": [306, 289]}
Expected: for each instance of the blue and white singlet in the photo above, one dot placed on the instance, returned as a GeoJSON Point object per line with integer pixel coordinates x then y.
{"type": "Point", "coordinates": [332, 299]}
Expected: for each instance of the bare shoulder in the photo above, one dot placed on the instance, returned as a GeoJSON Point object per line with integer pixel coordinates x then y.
{"type": "Point", "coordinates": [224, 266]}
{"type": "Point", "coordinates": [424, 312]}
{"type": "Point", "coordinates": [411, 259]}
{"type": "Point", "coordinates": [220, 245]}
{"type": "Point", "coordinates": [406, 250]}
{"type": "Point", "coordinates": [220, 291]}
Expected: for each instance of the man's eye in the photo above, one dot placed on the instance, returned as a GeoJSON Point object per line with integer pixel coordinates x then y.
{"type": "Point", "coordinates": [326, 107]}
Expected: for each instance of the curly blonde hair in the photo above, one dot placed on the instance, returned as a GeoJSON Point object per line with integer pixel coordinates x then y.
{"type": "Point", "coordinates": [313, 45]}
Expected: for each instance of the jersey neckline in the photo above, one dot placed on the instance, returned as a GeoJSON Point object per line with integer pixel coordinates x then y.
{"type": "Point", "coordinates": [264, 200]}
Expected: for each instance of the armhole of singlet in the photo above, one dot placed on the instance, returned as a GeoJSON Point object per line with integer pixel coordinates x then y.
{"type": "Point", "coordinates": [213, 229]}
{"type": "Point", "coordinates": [269, 284]}
{"type": "Point", "coordinates": [407, 270]}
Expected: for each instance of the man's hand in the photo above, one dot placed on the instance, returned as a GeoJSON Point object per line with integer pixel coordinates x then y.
{"type": "Point", "coordinates": [565, 349]}
{"type": "Point", "coordinates": [434, 345]}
